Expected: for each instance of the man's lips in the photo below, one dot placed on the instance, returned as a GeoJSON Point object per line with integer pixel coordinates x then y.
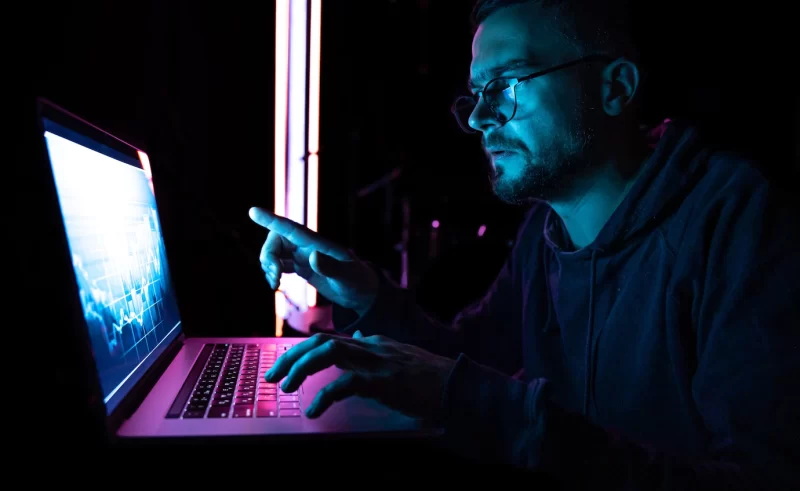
{"type": "Point", "coordinates": [500, 154]}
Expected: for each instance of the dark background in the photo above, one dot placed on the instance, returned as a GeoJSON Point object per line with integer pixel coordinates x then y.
{"type": "Point", "coordinates": [193, 83]}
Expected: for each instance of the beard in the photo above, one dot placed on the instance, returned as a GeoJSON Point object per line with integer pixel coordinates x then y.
{"type": "Point", "coordinates": [549, 172]}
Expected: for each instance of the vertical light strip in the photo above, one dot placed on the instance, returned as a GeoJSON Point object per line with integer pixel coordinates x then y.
{"type": "Point", "coordinates": [293, 285]}
{"type": "Point", "coordinates": [314, 48]}
{"type": "Point", "coordinates": [281, 109]}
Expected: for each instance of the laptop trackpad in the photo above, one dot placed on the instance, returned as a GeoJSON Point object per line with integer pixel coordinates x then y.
{"type": "Point", "coordinates": [353, 413]}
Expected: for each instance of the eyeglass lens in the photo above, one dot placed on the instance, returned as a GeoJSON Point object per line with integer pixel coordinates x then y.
{"type": "Point", "coordinates": [498, 95]}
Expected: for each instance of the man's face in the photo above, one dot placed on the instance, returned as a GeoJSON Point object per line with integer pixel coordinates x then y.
{"type": "Point", "coordinates": [551, 135]}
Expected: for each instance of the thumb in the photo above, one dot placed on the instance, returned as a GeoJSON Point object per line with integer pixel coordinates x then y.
{"type": "Point", "coordinates": [325, 265]}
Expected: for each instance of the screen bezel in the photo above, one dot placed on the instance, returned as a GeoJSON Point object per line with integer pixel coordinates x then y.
{"type": "Point", "coordinates": [138, 390]}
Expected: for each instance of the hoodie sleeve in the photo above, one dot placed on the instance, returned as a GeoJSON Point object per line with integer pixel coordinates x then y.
{"type": "Point", "coordinates": [745, 386]}
{"type": "Point", "coordinates": [489, 330]}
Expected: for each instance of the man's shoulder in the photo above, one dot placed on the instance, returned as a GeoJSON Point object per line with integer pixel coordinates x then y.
{"type": "Point", "coordinates": [729, 173]}
{"type": "Point", "coordinates": [731, 181]}
{"type": "Point", "coordinates": [730, 191]}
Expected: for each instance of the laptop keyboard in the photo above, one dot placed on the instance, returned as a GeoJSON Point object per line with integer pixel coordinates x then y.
{"type": "Point", "coordinates": [227, 381]}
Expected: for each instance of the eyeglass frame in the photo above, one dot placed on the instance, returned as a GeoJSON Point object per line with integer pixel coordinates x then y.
{"type": "Point", "coordinates": [513, 86]}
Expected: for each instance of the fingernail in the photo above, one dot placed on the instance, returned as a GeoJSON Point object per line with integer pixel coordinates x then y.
{"type": "Point", "coordinates": [311, 412]}
{"type": "Point", "coordinates": [273, 268]}
{"type": "Point", "coordinates": [269, 375]}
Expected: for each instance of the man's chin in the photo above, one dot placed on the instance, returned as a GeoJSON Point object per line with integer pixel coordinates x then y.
{"type": "Point", "coordinates": [510, 194]}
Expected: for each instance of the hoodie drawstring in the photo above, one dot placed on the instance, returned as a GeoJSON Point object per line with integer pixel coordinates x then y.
{"type": "Point", "coordinates": [589, 330]}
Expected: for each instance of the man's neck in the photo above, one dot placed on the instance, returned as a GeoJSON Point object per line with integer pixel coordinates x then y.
{"type": "Point", "coordinates": [594, 200]}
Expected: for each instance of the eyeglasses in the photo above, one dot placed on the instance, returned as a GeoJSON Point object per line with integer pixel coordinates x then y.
{"type": "Point", "coordinates": [500, 94]}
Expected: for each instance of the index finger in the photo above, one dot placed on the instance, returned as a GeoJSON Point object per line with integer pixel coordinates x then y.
{"type": "Point", "coordinates": [298, 234]}
{"type": "Point", "coordinates": [288, 359]}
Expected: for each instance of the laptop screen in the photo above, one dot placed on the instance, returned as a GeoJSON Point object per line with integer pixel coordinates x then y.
{"type": "Point", "coordinates": [117, 249]}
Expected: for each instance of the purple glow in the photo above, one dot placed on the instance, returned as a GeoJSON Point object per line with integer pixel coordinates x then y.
{"type": "Point", "coordinates": [481, 230]}
{"type": "Point", "coordinates": [294, 286]}
{"type": "Point", "coordinates": [435, 224]}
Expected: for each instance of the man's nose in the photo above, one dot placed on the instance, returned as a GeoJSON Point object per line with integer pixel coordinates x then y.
{"type": "Point", "coordinates": [482, 117]}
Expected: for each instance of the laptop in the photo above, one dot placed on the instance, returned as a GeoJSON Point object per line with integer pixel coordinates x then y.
{"type": "Point", "coordinates": [154, 380]}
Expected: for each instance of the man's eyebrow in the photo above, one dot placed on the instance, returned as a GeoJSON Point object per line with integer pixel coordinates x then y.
{"type": "Point", "coordinates": [490, 73]}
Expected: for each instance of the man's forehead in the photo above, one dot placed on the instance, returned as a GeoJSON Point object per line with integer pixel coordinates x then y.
{"type": "Point", "coordinates": [490, 55]}
{"type": "Point", "coordinates": [514, 33]}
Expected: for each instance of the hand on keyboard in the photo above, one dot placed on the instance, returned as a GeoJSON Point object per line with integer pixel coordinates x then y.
{"type": "Point", "coordinates": [401, 376]}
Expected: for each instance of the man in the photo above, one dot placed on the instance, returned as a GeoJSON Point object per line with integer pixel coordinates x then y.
{"type": "Point", "coordinates": [649, 297]}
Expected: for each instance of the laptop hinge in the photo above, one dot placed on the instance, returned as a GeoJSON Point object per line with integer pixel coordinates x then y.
{"type": "Point", "coordinates": [139, 391]}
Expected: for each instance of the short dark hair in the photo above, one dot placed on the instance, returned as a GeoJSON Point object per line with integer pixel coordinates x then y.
{"type": "Point", "coordinates": [593, 27]}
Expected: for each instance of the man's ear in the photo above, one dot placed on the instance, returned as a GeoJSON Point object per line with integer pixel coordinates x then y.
{"type": "Point", "coordinates": [620, 82]}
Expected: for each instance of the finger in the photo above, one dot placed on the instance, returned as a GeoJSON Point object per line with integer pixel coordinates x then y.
{"type": "Point", "coordinates": [331, 267]}
{"type": "Point", "coordinates": [297, 234]}
{"type": "Point", "coordinates": [271, 262]}
{"type": "Point", "coordinates": [373, 339]}
{"type": "Point", "coordinates": [341, 388]}
{"type": "Point", "coordinates": [288, 359]}
{"type": "Point", "coordinates": [333, 351]}
{"type": "Point", "coordinates": [272, 251]}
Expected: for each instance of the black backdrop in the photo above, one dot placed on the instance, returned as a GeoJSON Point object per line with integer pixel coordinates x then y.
{"type": "Point", "coordinates": [193, 82]}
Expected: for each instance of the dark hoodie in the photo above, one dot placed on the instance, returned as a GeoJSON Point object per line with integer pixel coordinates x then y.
{"type": "Point", "coordinates": [665, 355]}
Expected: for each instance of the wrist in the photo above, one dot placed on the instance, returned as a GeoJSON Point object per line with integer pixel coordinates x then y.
{"type": "Point", "coordinates": [445, 368]}
{"type": "Point", "coordinates": [364, 306]}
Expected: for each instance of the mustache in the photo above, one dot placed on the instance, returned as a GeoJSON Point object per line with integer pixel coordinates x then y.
{"type": "Point", "coordinates": [500, 142]}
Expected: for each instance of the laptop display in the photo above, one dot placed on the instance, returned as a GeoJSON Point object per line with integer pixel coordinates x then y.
{"type": "Point", "coordinates": [117, 249]}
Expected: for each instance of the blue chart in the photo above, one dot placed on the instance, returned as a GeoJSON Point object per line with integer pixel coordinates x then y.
{"type": "Point", "coordinates": [122, 289]}
{"type": "Point", "coordinates": [118, 255]}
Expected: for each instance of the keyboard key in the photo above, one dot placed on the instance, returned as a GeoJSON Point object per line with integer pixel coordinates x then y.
{"type": "Point", "coordinates": [221, 403]}
{"type": "Point", "coordinates": [219, 412]}
{"type": "Point", "coordinates": [290, 413]}
{"type": "Point", "coordinates": [244, 400]}
{"type": "Point", "coordinates": [194, 413]}
{"type": "Point", "coordinates": [243, 411]}
{"type": "Point", "coordinates": [267, 397]}
{"type": "Point", "coordinates": [268, 347]}
{"type": "Point", "coordinates": [246, 393]}
{"type": "Point", "coordinates": [289, 405]}
{"type": "Point", "coordinates": [289, 398]}
{"type": "Point", "coordinates": [267, 410]}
